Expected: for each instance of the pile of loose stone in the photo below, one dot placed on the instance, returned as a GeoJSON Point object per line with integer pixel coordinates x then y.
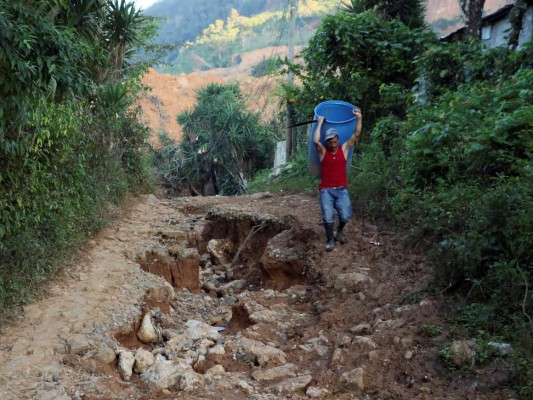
{"type": "Point", "coordinates": [172, 352]}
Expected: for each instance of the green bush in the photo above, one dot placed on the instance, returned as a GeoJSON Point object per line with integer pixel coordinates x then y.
{"type": "Point", "coordinates": [224, 143]}
{"type": "Point", "coordinates": [268, 66]}
{"type": "Point", "coordinates": [465, 182]}
{"type": "Point", "coordinates": [359, 58]}
{"type": "Point", "coordinates": [52, 196]}
{"type": "Point", "coordinates": [70, 142]}
{"type": "Point", "coordinates": [290, 178]}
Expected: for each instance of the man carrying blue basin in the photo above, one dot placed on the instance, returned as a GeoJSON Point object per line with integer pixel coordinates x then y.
{"type": "Point", "coordinates": [333, 186]}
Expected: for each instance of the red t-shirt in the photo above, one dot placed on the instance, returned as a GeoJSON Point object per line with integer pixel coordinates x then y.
{"type": "Point", "coordinates": [333, 170]}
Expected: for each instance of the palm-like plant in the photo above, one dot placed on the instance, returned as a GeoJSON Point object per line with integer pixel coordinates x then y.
{"type": "Point", "coordinates": [224, 141]}
{"type": "Point", "coordinates": [86, 16]}
{"type": "Point", "coordinates": [122, 26]}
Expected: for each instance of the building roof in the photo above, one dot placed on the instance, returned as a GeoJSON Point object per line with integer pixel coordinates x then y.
{"type": "Point", "coordinates": [497, 15]}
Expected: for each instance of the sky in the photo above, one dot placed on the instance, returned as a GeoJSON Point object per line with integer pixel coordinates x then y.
{"type": "Point", "coordinates": [144, 4]}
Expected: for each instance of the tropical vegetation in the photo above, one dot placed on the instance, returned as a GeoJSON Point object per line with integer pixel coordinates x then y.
{"type": "Point", "coordinates": [70, 139]}
{"type": "Point", "coordinates": [445, 157]}
{"type": "Point", "coordinates": [223, 147]}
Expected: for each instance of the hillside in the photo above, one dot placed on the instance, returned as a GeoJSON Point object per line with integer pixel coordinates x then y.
{"type": "Point", "coordinates": [172, 94]}
{"type": "Point", "coordinates": [169, 94]}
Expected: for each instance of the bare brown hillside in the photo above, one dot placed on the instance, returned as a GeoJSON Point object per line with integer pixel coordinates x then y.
{"type": "Point", "coordinates": [169, 95]}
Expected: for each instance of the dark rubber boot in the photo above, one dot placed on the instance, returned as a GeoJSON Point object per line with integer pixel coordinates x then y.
{"type": "Point", "coordinates": [339, 235]}
{"type": "Point", "coordinates": [330, 244]}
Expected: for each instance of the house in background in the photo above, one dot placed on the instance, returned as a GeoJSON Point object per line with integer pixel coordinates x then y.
{"type": "Point", "coordinates": [497, 26]}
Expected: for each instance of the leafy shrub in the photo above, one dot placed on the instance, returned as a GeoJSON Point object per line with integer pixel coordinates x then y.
{"type": "Point", "coordinates": [223, 147]}
{"type": "Point", "coordinates": [466, 183]}
{"type": "Point", "coordinates": [51, 197]}
{"type": "Point", "coordinates": [446, 66]}
{"type": "Point", "coordinates": [361, 59]}
{"type": "Point", "coordinates": [268, 66]}
{"type": "Point", "coordinates": [68, 143]}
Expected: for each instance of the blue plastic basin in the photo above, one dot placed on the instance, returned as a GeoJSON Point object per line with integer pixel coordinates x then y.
{"type": "Point", "coordinates": [338, 115]}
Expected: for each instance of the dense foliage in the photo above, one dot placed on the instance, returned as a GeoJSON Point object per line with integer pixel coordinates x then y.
{"type": "Point", "coordinates": [445, 155]}
{"type": "Point", "coordinates": [70, 141]}
{"type": "Point", "coordinates": [409, 12]}
{"type": "Point", "coordinates": [190, 18]}
{"type": "Point", "coordinates": [359, 58]}
{"type": "Point", "coordinates": [224, 144]}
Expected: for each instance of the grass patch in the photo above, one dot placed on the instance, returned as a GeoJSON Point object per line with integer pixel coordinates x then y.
{"type": "Point", "coordinates": [290, 178]}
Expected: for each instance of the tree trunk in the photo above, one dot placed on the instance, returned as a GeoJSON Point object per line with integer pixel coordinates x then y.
{"type": "Point", "coordinates": [473, 12]}
{"type": "Point", "coordinates": [516, 19]}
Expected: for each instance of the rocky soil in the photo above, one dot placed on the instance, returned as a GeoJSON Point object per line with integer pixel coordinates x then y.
{"type": "Point", "coordinates": [235, 298]}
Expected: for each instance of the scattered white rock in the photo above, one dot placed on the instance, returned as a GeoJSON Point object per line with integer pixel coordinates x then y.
{"type": "Point", "coordinates": [143, 360]}
{"type": "Point", "coordinates": [259, 353]}
{"type": "Point", "coordinates": [350, 280]}
{"type": "Point", "coordinates": [264, 316]}
{"type": "Point", "coordinates": [246, 387]}
{"type": "Point", "coordinates": [160, 294]}
{"type": "Point", "coordinates": [78, 343]}
{"type": "Point", "coordinates": [148, 332]}
{"type": "Point", "coordinates": [291, 385]}
{"type": "Point", "coordinates": [337, 357]}
{"type": "Point", "coordinates": [126, 359]}
{"type": "Point", "coordinates": [216, 370]}
{"type": "Point", "coordinates": [462, 352]}
{"type": "Point", "coordinates": [171, 373]}
{"type": "Point", "coordinates": [314, 392]}
{"type": "Point", "coordinates": [217, 349]}
{"type": "Point", "coordinates": [390, 324]}
{"type": "Point", "coordinates": [104, 355]}
{"type": "Point", "coordinates": [353, 379]}
{"type": "Point", "coordinates": [501, 348]}
{"type": "Point", "coordinates": [220, 250]}
{"type": "Point", "coordinates": [271, 374]}
{"type": "Point", "coordinates": [361, 329]}
{"type": "Point", "coordinates": [365, 343]}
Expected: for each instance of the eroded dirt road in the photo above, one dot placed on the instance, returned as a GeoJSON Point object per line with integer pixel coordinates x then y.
{"type": "Point", "coordinates": [241, 302]}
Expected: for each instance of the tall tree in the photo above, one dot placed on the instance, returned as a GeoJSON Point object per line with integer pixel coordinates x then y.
{"type": "Point", "coordinates": [122, 27]}
{"type": "Point", "coordinates": [516, 19]}
{"type": "Point", "coordinates": [224, 143]}
{"type": "Point", "coordinates": [410, 12]}
{"type": "Point", "coordinates": [473, 13]}
{"type": "Point", "coordinates": [355, 57]}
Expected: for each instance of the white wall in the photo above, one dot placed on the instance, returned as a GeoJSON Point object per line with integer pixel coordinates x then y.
{"type": "Point", "coordinates": [497, 33]}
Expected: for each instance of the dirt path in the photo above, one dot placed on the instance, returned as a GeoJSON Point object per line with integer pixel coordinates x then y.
{"type": "Point", "coordinates": [258, 310]}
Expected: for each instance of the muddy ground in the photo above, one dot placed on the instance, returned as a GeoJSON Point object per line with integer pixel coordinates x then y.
{"type": "Point", "coordinates": [284, 318]}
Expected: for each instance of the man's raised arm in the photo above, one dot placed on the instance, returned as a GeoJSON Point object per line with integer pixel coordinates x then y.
{"type": "Point", "coordinates": [320, 149]}
{"type": "Point", "coordinates": [357, 131]}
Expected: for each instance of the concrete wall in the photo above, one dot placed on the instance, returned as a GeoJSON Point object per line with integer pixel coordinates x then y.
{"type": "Point", "coordinates": [496, 33]}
